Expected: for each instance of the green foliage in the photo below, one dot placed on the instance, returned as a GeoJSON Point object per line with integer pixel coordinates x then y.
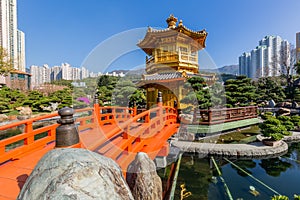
{"type": "Point", "coordinates": [297, 67]}
{"type": "Point", "coordinates": [273, 128]}
{"type": "Point", "coordinates": [288, 125]}
{"type": "Point", "coordinates": [240, 92]}
{"type": "Point", "coordinates": [199, 95]}
{"type": "Point", "coordinates": [106, 85]}
{"type": "Point", "coordinates": [63, 82]}
{"type": "Point", "coordinates": [6, 64]}
{"type": "Point", "coordinates": [266, 115]}
{"type": "Point", "coordinates": [217, 94]}
{"type": "Point", "coordinates": [296, 120]}
{"type": "Point", "coordinates": [138, 97]}
{"type": "Point", "coordinates": [296, 197]}
{"type": "Point", "coordinates": [269, 88]}
{"type": "Point", "coordinates": [286, 121]}
{"type": "Point", "coordinates": [10, 99]}
{"type": "Point", "coordinates": [279, 197]}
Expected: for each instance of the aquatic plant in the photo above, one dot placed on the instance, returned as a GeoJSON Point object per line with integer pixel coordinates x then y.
{"type": "Point", "coordinates": [279, 197]}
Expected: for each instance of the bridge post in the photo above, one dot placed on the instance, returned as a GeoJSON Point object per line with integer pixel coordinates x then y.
{"type": "Point", "coordinates": [97, 107]}
{"type": "Point", "coordinates": [159, 99]}
{"type": "Point", "coordinates": [67, 133]}
{"type": "Point", "coordinates": [159, 104]}
{"type": "Point", "coordinates": [134, 109]}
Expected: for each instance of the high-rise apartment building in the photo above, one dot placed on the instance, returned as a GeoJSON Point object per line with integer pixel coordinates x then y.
{"type": "Point", "coordinates": [84, 73]}
{"type": "Point", "coordinates": [245, 63]}
{"type": "Point", "coordinates": [10, 39]}
{"type": "Point", "coordinates": [298, 46]}
{"type": "Point", "coordinates": [267, 59]}
{"type": "Point", "coordinates": [39, 75]}
{"type": "Point", "coordinates": [21, 51]}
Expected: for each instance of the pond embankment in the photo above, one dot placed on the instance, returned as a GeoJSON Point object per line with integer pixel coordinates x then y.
{"type": "Point", "coordinates": [251, 150]}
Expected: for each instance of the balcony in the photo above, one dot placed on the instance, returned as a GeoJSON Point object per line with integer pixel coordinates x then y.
{"type": "Point", "coordinates": [165, 57]}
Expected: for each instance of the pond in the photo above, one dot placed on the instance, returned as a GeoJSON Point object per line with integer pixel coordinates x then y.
{"type": "Point", "coordinates": [281, 174]}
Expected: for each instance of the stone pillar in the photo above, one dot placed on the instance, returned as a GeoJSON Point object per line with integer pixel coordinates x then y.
{"type": "Point", "coordinates": [67, 133]}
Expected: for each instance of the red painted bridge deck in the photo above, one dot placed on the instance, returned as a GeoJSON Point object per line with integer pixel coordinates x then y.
{"type": "Point", "coordinates": [118, 133]}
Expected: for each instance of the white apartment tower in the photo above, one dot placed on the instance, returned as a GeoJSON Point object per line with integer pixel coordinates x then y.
{"type": "Point", "coordinates": [21, 51]}
{"type": "Point", "coordinates": [39, 75]}
{"type": "Point", "coordinates": [267, 59]}
{"type": "Point", "coordinates": [10, 39]}
{"type": "Point", "coordinates": [298, 46]}
{"type": "Point", "coordinates": [245, 63]}
{"type": "Point", "coordinates": [84, 73]}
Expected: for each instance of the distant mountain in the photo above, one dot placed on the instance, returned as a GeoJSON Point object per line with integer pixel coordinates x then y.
{"type": "Point", "coordinates": [139, 71]}
{"type": "Point", "coordinates": [118, 71]}
{"type": "Point", "coordinates": [229, 69]}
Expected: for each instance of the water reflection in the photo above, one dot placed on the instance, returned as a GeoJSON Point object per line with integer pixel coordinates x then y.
{"type": "Point", "coordinates": [274, 166]}
{"type": "Point", "coordinates": [281, 174]}
{"type": "Point", "coordinates": [244, 164]}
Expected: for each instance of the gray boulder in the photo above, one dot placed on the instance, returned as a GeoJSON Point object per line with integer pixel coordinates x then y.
{"type": "Point", "coordinates": [75, 174]}
{"type": "Point", "coordinates": [143, 180]}
{"type": "Point", "coordinates": [3, 117]}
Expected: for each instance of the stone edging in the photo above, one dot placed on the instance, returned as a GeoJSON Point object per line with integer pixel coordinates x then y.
{"type": "Point", "coordinates": [253, 150]}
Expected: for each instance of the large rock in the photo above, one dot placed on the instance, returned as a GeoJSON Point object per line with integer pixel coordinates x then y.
{"type": "Point", "coordinates": [3, 117]}
{"type": "Point", "coordinates": [25, 111]}
{"type": "Point", "coordinates": [284, 112]}
{"type": "Point", "coordinates": [75, 174]}
{"type": "Point", "coordinates": [186, 118]}
{"type": "Point", "coordinates": [143, 180]}
{"type": "Point", "coordinates": [183, 134]}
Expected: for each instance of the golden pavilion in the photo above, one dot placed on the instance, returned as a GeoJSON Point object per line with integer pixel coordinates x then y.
{"type": "Point", "coordinates": [172, 57]}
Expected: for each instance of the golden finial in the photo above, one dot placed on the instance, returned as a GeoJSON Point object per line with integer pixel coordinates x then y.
{"type": "Point", "coordinates": [180, 23]}
{"type": "Point", "coordinates": [171, 21]}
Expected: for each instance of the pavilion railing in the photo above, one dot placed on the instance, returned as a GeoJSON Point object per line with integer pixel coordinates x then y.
{"type": "Point", "coordinates": [218, 116]}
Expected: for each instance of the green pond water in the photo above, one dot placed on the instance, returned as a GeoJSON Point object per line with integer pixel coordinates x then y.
{"type": "Point", "coordinates": [281, 174]}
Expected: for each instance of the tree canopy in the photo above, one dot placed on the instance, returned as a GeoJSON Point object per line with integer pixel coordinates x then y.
{"type": "Point", "coordinates": [268, 88]}
{"type": "Point", "coordinates": [198, 93]}
{"type": "Point", "coordinates": [240, 92]}
{"type": "Point", "coordinates": [6, 64]}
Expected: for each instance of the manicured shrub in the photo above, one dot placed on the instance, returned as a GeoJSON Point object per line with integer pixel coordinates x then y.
{"type": "Point", "coordinates": [284, 118]}
{"type": "Point", "coordinates": [266, 115]}
{"type": "Point", "coordinates": [296, 120]}
{"type": "Point", "coordinates": [288, 125]}
{"type": "Point", "coordinates": [274, 129]}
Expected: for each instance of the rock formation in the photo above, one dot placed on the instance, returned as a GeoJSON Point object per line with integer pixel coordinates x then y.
{"type": "Point", "coordinates": [3, 117]}
{"type": "Point", "coordinates": [75, 174]}
{"type": "Point", "coordinates": [143, 180]}
{"type": "Point", "coordinates": [25, 111]}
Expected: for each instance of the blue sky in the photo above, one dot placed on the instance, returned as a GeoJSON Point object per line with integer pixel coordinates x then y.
{"type": "Point", "coordinates": [60, 31]}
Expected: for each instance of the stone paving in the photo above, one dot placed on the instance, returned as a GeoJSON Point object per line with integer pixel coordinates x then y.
{"type": "Point", "coordinates": [252, 150]}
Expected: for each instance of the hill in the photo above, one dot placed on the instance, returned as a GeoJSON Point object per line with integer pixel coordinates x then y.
{"type": "Point", "coordinates": [229, 69]}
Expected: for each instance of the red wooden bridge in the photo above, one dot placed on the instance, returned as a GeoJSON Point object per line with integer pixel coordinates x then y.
{"type": "Point", "coordinates": [115, 132]}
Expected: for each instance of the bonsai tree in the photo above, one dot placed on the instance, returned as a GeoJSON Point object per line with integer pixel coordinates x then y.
{"type": "Point", "coordinates": [273, 129]}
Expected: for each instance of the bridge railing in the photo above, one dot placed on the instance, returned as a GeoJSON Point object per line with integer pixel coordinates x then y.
{"type": "Point", "coordinates": [28, 140]}
{"type": "Point", "coordinates": [35, 133]}
{"type": "Point", "coordinates": [134, 139]}
{"type": "Point", "coordinates": [217, 116]}
{"type": "Point", "coordinates": [112, 114]}
{"type": "Point", "coordinates": [32, 138]}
